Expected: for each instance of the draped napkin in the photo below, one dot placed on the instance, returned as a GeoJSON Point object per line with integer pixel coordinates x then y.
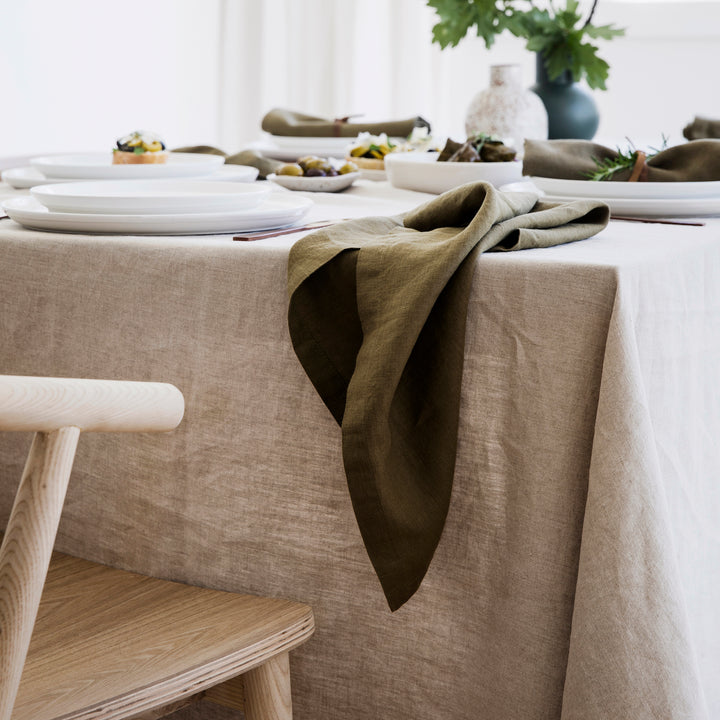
{"type": "Point", "coordinates": [377, 318]}
{"type": "Point", "coordinates": [698, 160]}
{"type": "Point", "coordinates": [253, 158]}
{"type": "Point", "coordinates": [280, 121]}
{"type": "Point", "coordinates": [702, 127]}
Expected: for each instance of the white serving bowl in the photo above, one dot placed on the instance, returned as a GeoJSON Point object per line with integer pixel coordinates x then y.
{"type": "Point", "coordinates": [420, 171]}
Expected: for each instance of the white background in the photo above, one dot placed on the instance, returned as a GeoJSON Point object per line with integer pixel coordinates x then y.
{"type": "Point", "coordinates": [77, 74]}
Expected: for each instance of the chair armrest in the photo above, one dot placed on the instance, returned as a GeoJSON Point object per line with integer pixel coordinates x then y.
{"type": "Point", "coordinates": [43, 404]}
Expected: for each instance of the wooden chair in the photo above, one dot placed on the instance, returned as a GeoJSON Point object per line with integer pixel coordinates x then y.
{"type": "Point", "coordinates": [90, 641]}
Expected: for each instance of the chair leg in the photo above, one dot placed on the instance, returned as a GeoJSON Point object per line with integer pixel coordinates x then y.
{"type": "Point", "coordinates": [26, 549]}
{"type": "Point", "coordinates": [267, 690]}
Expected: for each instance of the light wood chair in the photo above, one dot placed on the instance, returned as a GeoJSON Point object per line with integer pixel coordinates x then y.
{"type": "Point", "coordinates": [83, 640]}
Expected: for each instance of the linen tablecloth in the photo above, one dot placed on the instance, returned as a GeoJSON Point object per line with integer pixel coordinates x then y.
{"type": "Point", "coordinates": [576, 576]}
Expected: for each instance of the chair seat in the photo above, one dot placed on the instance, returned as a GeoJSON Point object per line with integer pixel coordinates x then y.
{"type": "Point", "coordinates": [105, 633]}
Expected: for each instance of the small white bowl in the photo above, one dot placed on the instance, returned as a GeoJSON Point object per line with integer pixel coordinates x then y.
{"type": "Point", "coordinates": [420, 171]}
{"type": "Point", "coordinates": [333, 183]}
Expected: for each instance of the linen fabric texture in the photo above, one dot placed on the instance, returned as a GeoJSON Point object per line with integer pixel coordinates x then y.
{"type": "Point", "coordinates": [280, 121]}
{"type": "Point", "coordinates": [702, 127]}
{"type": "Point", "coordinates": [576, 576]}
{"type": "Point", "coordinates": [377, 318]}
{"type": "Point", "coordinates": [694, 161]}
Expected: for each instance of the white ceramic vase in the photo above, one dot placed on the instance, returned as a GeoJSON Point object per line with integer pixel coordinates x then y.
{"type": "Point", "coordinates": [507, 110]}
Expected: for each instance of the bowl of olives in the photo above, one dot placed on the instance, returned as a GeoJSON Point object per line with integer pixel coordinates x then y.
{"type": "Point", "coordinates": [316, 174]}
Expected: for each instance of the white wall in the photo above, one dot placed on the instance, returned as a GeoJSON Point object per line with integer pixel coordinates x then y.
{"type": "Point", "coordinates": [77, 74]}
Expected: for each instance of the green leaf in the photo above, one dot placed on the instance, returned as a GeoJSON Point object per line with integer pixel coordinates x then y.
{"type": "Point", "coordinates": [605, 32]}
{"type": "Point", "coordinates": [558, 35]}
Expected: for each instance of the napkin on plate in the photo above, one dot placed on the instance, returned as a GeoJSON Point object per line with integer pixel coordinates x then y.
{"type": "Point", "coordinates": [377, 319]}
{"type": "Point", "coordinates": [702, 127]}
{"type": "Point", "coordinates": [694, 161]}
{"type": "Point", "coordinates": [287, 122]}
{"type": "Point", "coordinates": [253, 158]}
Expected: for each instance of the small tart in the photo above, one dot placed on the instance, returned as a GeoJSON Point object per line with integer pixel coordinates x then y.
{"type": "Point", "coordinates": [367, 163]}
{"type": "Point", "coordinates": [121, 157]}
{"type": "Point", "coordinates": [139, 148]}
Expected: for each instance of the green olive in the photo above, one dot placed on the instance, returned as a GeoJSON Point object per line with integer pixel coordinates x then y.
{"type": "Point", "coordinates": [290, 169]}
{"type": "Point", "coordinates": [303, 161]}
{"type": "Point", "coordinates": [318, 164]}
{"type": "Point", "coordinates": [348, 167]}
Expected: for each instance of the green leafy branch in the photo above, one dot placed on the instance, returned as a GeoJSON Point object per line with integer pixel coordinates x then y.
{"type": "Point", "coordinates": [559, 35]}
{"type": "Point", "coordinates": [625, 160]}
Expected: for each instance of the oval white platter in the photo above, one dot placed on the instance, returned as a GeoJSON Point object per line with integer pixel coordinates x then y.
{"type": "Point", "coordinates": [318, 144]}
{"type": "Point", "coordinates": [99, 166]}
{"type": "Point", "coordinates": [289, 149]}
{"type": "Point", "coordinates": [679, 207]}
{"type": "Point", "coordinates": [280, 210]}
{"type": "Point", "coordinates": [335, 183]}
{"type": "Point", "coordinates": [627, 190]}
{"type": "Point", "coordinates": [420, 171]}
{"type": "Point", "coordinates": [22, 178]}
{"type": "Point", "coordinates": [137, 197]}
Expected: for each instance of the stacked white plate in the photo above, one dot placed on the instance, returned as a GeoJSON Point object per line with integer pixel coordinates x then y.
{"type": "Point", "coordinates": [290, 148]}
{"type": "Point", "coordinates": [51, 169]}
{"type": "Point", "coordinates": [641, 199]}
{"type": "Point", "coordinates": [156, 207]}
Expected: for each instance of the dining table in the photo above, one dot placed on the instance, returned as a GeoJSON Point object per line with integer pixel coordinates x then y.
{"type": "Point", "coordinates": [578, 572]}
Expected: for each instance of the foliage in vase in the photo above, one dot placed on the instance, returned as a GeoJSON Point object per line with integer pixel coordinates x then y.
{"type": "Point", "coordinates": [558, 34]}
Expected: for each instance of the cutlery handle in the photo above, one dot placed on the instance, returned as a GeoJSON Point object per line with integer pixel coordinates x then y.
{"type": "Point", "coordinates": [287, 231]}
{"type": "Point", "coordinates": [657, 221]}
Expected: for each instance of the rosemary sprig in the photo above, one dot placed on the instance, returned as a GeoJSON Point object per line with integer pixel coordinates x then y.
{"type": "Point", "coordinates": [625, 160]}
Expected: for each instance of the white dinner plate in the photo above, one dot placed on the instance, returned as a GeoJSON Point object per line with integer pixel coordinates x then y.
{"type": "Point", "coordinates": [99, 166]}
{"type": "Point", "coordinates": [374, 175]}
{"type": "Point", "coordinates": [280, 210]}
{"type": "Point", "coordinates": [272, 149]}
{"type": "Point", "coordinates": [22, 178]}
{"type": "Point", "coordinates": [420, 171]}
{"type": "Point", "coordinates": [138, 197]}
{"type": "Point", "coordinates": [639, 207]}
{"type": "Point", "coordinates": [335, 183]}
{"type": "Point", "coordinates": [317, 144]}
{"type": "Point", "coordinates": [653, 207]}
{"type": "Point", "coordinates": [627, 190]}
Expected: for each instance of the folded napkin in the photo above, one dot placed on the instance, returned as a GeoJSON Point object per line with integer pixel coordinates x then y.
{"type": "Point", "coordinates": [265, 165]}
{"type": "Point", "coordinates": [287, 122]}
{"type": "Point", "coordinates": [698, 160]}
{"type": "Point", "coordinates": [702, 128]}
{"type": "Point", "coordinates": [377, 318]}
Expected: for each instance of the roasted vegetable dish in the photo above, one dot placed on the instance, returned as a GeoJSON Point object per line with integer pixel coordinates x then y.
{"type": "Point", "coordinates": [479, 148]}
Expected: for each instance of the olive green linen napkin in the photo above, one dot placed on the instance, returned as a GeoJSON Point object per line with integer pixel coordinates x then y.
{"type": "Point", "coordinates": [377, 319]}
{"type": "Point", "coordinates": [702, 127]}
{"type": "Point", "coordinates": [280, 121]}
{"type": "Point", "coordinates": [253, 158]}
{"type": "Point", "coordinates": [698, 160]}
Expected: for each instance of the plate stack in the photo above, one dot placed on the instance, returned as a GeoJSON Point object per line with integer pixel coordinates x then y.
{"type": "Point", "coordinates": [52, 169]}
{"type": "Point", "coordinates": [162, 199]}
{"type": "Point", "coordinates": [640, 199]}
{"type": "Point", "coordinates": [289, 148]}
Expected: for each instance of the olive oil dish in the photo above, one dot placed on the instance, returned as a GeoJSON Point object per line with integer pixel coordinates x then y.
{"type": "Point", "coordinates": [139, 148]}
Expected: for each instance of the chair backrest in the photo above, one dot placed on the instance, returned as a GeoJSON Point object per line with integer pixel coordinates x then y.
{"type": "Point", "coordinates": [57, 410]}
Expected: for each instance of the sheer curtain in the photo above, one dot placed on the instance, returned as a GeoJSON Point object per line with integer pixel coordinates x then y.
{"type": "Point", "coordinates": [342, 57]}
{"type": "Point", "coordinates": [375, 57]}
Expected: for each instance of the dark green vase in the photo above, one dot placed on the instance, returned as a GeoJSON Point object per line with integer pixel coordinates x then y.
{"type": "Point", "coordinates": [571, 110]}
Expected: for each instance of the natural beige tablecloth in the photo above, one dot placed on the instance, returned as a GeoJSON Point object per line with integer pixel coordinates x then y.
{"type": "Point", "coordinates": [576, 576]}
